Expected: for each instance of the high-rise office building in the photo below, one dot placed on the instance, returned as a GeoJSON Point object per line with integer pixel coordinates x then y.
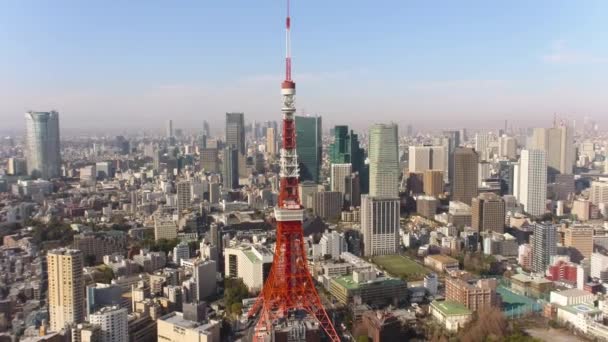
{"type": "Point", "coordinates": [422, 158]}
{"type": "Point", "coordinates": [383, 161]}
{"type": "Point", "coordinates": [346, 148]}
{"type": "Point", "coordinates": [465, 175]}
{"type": "Point", "coordinates": [558, 144]}
{"type": "Point", "coordinates": [235, 131]}
{"type": "Point", "coordinates": [114, 324]}
{"type": "Point", "coordinates": [65, 288]}
{"type": "Point", "coordinates": [544, 246]}
{"type": "Point", "coordinates": [271, 142]}
{"type": "Point", "coordinates": [433, 182]}
{"type": "Point", "coordinates": [452, 140]}
{"type": "Point", "coordinates": [230, 168]}
{"type": "Point", "coordinates": [249, 262]}
{"type": "Point", "coordinates": [488, 213]}
{"type": "Point", "coordinates": [235, 138]}
{"type": "Point", "coordinates": [209, 159]}
{"type": "Point", "coordinates": [339, 172]}
{"type": "Point", "coordinates": [326, 204]}
{"type": "Point", "coordinates": [531, 181]}
{"type": "Point", "coordinates": [184, 195]}
{"type": "Point", "coordinates": [206, 130]}
{"type": "Point", "coordinates": [580, 240]}
{"type": "Point", "coordinates": [309, 147]}
{"type": "Point", "coordinates": [380, 225]}
{"type": "Point", "coordinates": [42, 144]}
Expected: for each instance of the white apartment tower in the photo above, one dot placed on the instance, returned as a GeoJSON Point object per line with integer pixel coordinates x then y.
{"type": "Point", "coordinates": [531, 174]}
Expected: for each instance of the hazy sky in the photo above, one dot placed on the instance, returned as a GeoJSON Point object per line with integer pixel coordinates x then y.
{"type": "Point", "coordinates": [432, 63]}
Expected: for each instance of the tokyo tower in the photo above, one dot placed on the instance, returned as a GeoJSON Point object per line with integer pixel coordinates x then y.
{"type": "Point", "coordinates": [289, 291]}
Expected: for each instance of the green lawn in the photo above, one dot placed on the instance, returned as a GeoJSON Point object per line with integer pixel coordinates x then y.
{"type": "Point", "coordinates": [400, 266]}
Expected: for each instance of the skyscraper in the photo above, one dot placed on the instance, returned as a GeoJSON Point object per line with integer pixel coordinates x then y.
{"type": "Point", "coordinates": [383, 161]}
{"type": "Point", "coordinates": [346, 148]}
{"type": "Point", "coordinates": [230, 168]}
{"type": "Point", "coordinates": [465, 175]}
{"type": "Point", "coordinates": [422, 158]}
{"type": "Point", "coordinates": [271, 142]}
{"type": "Point", "coordinates": [433, 182]}
{"type": "Point", "coordinates": [209, 159]}
{"type": "Point", "coordinates": [452, 140]}
{"type": "Point", "coordinates": [42, 144]}
{"type": "Point", "coordinates": [488, 213]}
{"type": "Point", "coordinates": [184, 195]}
{"type": "Point", "coordinates": [170, 129]}
{"type": "Point", "coordinates": [380, 225]}
{"type": "Point", "coordinates": [482, 145]}
{"type": "Point", "coordinates": [544, 245]}
{"type": "Point", "coordinates": [507, 147]}
{"type": "Point", "coordinates": [309, 146]}
{"type": "Point", "coordinates": [235, 131]}
{"type": "Point", "coordinates": [66, 288]}
{"type": "Point", "coordinates": [558, 144]}
{"type": "Point", "coordinates": [531, 174]}
{"type": "Point", "coordinates": [339, 172]}
{"type": "Point", "coordinates": [380, 209]}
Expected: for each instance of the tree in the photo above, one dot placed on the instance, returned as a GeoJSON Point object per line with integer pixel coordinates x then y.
{"type": "Point", "coordinates": [236, 309]}
{"type": "Point", "coordinates": [234, 293]}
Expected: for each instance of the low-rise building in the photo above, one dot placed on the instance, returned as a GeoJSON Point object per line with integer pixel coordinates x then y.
{"type": "Point", "coordinates": [571, 297]}
{"type": "Point", "coordinates": [452, 315]}
{"type": "Point", "coordinates": [175, 328]}
{"type": "Point", "coordinates": [441, 263]}
{"type": "Point", "coordinates": [370, 289]}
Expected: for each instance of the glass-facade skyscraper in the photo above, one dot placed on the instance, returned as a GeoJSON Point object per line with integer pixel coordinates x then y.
{"type": "Point", "coordinates": [383, 161]}
{"type": "Point", "coordinates": [309, 147]}
{"type": "Point", "coordinates": [42, 144]}
{"type": "Point", "coordinates": [346, 149]}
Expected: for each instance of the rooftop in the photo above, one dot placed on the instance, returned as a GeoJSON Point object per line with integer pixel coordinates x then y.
{"type": "Point", "coordinates": [573, 293]}
{"type": "Point", "coordinates": [581, 309]}
{"type": "Point", "coordinates": [442, 258]}
{"type": "Point", "coordinates": [177, 319]}
{"type": "Point", "coordinates": [451, 308]}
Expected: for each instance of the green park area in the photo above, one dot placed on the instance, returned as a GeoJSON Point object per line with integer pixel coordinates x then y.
{"type": "Point", "coordinates": [401, 267]}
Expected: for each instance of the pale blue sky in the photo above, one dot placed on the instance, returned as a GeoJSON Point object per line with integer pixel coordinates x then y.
{"type": "Point", "coordinates": [432, 63]}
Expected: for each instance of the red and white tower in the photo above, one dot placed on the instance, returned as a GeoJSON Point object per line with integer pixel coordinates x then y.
{"type": "Point", "coordinates": [289, 290]}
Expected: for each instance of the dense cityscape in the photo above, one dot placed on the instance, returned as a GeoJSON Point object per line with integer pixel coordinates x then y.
{"type": "Point", "coordinates": [290, 230]}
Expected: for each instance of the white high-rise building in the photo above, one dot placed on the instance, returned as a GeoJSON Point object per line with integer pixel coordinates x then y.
{"type": "Point", "coordinates": [204, 276]}
{"type": "Point", "coordinates": [599, 192]}
{"type": "Point", "coordinates": [383, 161]}
{"type": "Point", "coordinates": [531, 174]}
{"type": "Point", "coordinates": [65, 288]}
{"type": "Point", "coordinates": [380, 225]}
{"type": "Point", "coordinates": [507, 147]}
{"type": "Point", "coordinates": [599, 266]}
{"type": "Point", "coordinates": [114, 324]}
{"type": "Point", "coordinates": [333, 244]}
{"type": "Point", "coordinates": [181, 251]}
{"type": "Point", "coordinates": [482, 145]}
{"type": "Point", "coordinates": [42, 144]}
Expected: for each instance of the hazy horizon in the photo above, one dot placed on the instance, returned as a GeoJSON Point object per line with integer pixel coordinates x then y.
{"type": "Point", "coordinates": [135, 65]}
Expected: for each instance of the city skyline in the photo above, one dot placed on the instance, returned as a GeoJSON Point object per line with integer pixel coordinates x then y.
{"type": "Point", "coordinates": [475, 62]}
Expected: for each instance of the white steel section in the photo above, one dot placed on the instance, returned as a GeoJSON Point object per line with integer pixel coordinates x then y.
{"type": "Point", "coordinates": [284, 215]}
